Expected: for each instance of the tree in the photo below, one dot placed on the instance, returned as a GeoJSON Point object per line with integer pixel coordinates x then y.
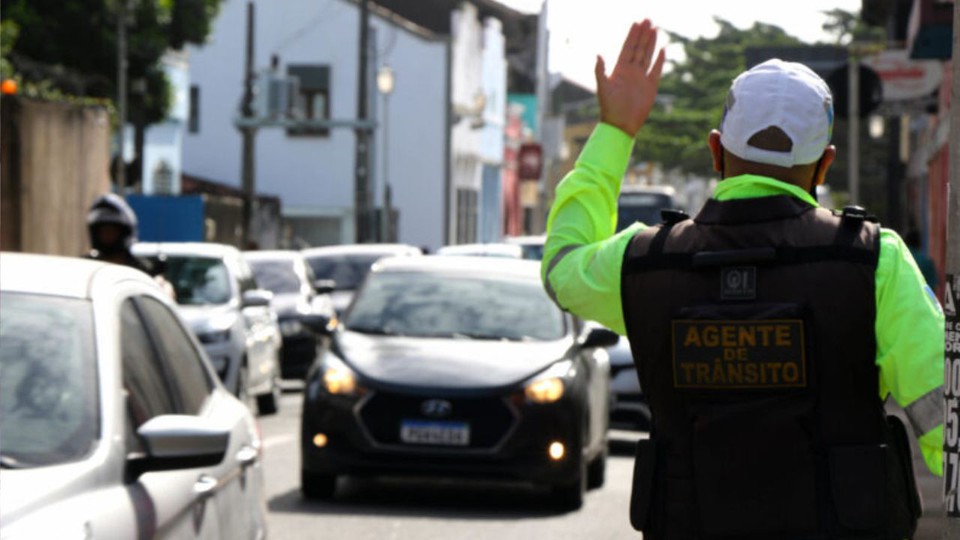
{"type": "Point", "coordinates": [695, 90]}
{"type": "Point", "coordinates": [73, 43]}
{"type": "Point", "coordinates": [848, 27]}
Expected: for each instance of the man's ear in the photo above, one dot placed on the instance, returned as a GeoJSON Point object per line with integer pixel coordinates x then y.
{"type": "Point", "coordinates": [829, 154]}
{"type": "Point", "coordinates": [716, 149]}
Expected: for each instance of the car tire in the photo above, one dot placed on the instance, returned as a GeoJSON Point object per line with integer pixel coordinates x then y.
{"type": "Point", "coordinates": [269, 403]}
{"type": "Point", "coordinates": [597, 470]}
{"type": "Point", "coordinates": [317, 487]}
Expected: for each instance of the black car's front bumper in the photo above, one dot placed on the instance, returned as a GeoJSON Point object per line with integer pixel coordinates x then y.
{"type": "Point", "coordinates": [509, 439]}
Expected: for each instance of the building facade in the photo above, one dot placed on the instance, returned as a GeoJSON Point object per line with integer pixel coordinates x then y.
{"type": "Point", "coordinates": [312, 171]}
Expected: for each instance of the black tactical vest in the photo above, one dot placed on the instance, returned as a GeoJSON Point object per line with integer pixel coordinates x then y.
{"type": "Point", "coordinates": [752, 328]}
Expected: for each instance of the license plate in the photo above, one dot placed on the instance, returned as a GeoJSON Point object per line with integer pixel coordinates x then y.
{"type": "Point", "coordinates": [438, 433]}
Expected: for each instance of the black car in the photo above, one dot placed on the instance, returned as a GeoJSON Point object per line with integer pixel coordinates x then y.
{"type": "Point", "coordinates": [297, 296]}
{"type": "Point", "coordinates": [451, 366]}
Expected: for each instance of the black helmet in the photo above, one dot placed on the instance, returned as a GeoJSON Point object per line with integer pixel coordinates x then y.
{"type": "Point", "coordinates": [112, 209]}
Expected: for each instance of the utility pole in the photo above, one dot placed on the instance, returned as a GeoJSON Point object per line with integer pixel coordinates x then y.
{"type": "Point", "coordinates": [249, 133]}
{"type": "Point", "coordinates": [361, 198]}
{"type": "Point", "coordinates": [121, 165]}
{"type": "Point", "coordinates": [951, 431]}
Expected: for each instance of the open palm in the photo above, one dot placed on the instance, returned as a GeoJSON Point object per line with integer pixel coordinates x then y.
{"type": "Point", "coordinates": [627, 95]}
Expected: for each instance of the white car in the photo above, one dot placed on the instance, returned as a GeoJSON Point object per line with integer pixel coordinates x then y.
{"type": "Point", "coordinates": [493, 249]}
{"type": "Point", "coordinates": [219, 297]}
{"type": "Point", "coordinates": [113, 423]}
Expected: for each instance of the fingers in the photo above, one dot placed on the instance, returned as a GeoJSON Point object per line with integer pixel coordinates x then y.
{"type": "Point", "coordinates": [658, 67]}
{"type": "Point", "coordinates": [600, 71]}
{"type": "Point", "coordinates": [645, 47]}
{"type": "Point", "coordinates": [628, 51]}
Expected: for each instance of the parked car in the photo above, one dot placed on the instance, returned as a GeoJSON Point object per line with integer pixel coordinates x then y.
{"type": "Point", "coordinates": [113, 422]}
{"type": "Point", "coordinates": [231, 316]}
{"type": "Point", "coordinates": [532, 246]}
{"type": "Point", "coordinates": [348, 265]}
{"type": "Point", "coordinates": [296, 294]}
{"type": "Point", "coordinates": [458, 366]}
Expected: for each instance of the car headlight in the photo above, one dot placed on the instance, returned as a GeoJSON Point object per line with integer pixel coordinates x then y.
{"type": "Point", "coordinates": [219, 336]}
{"type": "Point", "coordinates": [549, 386]}
{"type": "Point", "coordinates": [289, 328]}
{"type": "Point", "coordinates": [339, 379]}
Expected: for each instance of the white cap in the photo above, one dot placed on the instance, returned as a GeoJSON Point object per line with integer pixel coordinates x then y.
{"type": "Point", "coordinates": [781, 94]}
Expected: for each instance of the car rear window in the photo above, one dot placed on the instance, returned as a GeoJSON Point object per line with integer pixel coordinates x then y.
{"type": "Point", "coordinates": [48, 380]}
{"type": "Point", "coordinates": [198, 281]}
{"type": "Point", "coordinates": [276, 275]}
{"type": "Point", "coordinates": [429, 304]}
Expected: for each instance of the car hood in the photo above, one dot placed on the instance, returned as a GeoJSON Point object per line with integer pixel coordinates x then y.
{"type": "Point", "coordinates": [461, 364]}
{"type": "Point", "coordinates": [202, 319]}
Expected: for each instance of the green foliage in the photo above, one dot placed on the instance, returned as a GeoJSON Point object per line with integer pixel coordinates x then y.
{"type": "Point", "coordinates": [848, 27]}
{"type": "Point", "coordinates": [695, 89]}
{"type": "Point", "coordinates": [76, 41]}
{"type": "Point", "coordinates": [8, 36]}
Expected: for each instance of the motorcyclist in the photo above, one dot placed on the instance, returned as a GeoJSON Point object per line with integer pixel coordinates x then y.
{"type": "Point", "coordinates": [113, 230]}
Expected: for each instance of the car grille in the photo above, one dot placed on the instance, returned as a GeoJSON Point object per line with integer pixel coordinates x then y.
{"type": "Point", "coordinates": [490, 418]}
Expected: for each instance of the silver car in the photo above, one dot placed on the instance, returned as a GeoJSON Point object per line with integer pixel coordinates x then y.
{"type": "Point", "coordinates": [112, 421]}
{"type": "Point", "coordinates": [348, 265]}
{"type": "Point", "coordinates": [223, 305]}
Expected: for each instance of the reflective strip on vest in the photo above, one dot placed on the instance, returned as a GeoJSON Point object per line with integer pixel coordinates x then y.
{"type": "Point", "coordinates": [566, 250]}
{"type": "Point", "coordinates": [926, 413]}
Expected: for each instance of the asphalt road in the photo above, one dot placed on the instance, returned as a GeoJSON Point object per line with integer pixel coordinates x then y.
{"type": "Point", "coordinates": [433, 509]}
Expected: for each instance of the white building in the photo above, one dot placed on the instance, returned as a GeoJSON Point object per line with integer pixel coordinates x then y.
{"type": "Point", "coordinates": [313, 173]}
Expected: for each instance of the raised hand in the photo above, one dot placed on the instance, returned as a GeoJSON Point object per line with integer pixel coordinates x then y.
{"type": "Point", "coordinates": [627, 95]}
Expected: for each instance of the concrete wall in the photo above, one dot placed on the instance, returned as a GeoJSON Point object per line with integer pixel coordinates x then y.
{"type": "Point", "coordinates": [56, 161]}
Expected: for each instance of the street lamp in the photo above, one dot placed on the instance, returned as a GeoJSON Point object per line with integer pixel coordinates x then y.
{"type": "Point", "coordinates": [385, 83]}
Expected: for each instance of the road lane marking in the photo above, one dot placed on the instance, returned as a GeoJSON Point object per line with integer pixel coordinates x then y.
{"type": "Point", "coordinates": [277, 440]}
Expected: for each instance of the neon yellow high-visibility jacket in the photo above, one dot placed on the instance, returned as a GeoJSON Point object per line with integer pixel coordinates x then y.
{"type": "Point", "coordinates": [583, 256]}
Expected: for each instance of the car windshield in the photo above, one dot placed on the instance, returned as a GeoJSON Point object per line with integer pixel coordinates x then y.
{"type": "Point", "coordinates": [642, 207]}
{"type": "Point", "coordinates": [198, 281]}
{"type": "Point", "coordinates": [277, 276]}
{"type": "Point", "coordinates": [424, 304]}
{"type": "Point", "coordinates": [48, 380]}
{"type": "Point", "coordinates": [348, 271]}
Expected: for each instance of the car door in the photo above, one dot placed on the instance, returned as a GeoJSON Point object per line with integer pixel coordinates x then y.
{"type": "Point", "coordinates": [167, 503]}
{"type": "Point", "coordinates": [261, 331]}
{"type": "Point", "coordinates": [232, 485]}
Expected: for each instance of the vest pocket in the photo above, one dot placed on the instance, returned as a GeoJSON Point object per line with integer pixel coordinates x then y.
{"type": "Point", "coordinates": [754, 473]}
{"type": "Point", "coordinates": [641, 497]}
{"type": "Point", "coordinates": [858, 482]}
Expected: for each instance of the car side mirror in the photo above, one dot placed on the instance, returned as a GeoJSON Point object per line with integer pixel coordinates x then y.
{"type": "Point", "coordinates": [324, 286]}
{"type": "Point", "coordinates": [257, 298]}
{"type": "Point", "coordinates": [600, 337]}
{"type": "Point", "coordinates": [177, 441]}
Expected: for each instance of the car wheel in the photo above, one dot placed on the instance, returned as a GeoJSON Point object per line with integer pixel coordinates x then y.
{"type": "Point", "coordinates": [597, 470]}
{"type": "Point", "coordinates": [317, 486]}
{"type": "Point", "coordinates": [270, 403]}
